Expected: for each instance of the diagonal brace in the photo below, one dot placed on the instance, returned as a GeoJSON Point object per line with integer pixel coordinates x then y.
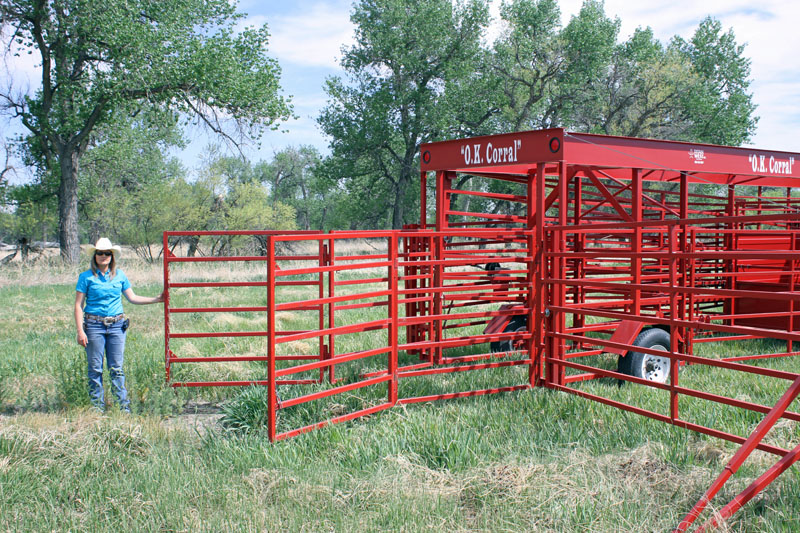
{"type": "Point", "coordinates": [744, 452]}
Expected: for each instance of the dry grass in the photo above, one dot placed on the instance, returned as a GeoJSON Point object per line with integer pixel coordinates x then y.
{"type": "Point", "coordinates": [141, 272]}
{"type": "Point", "coordinates": [533, 461]}
{"type": "Point", "coordinates": [52, 439]}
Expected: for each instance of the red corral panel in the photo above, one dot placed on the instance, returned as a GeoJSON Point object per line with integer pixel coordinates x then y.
{"type": "Point", "coordinates": [574, 257]}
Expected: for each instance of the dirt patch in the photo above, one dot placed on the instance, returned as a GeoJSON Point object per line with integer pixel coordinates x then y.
{"type": "Point", "coordinates": [414, 477]}
{"type": "Point", "coordinates": [199, 417]}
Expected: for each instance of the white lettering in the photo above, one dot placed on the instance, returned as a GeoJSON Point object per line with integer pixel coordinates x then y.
{"type": "Point", "coordinates": [493, 155]}
{"type": "Point", "coordinates": [503, 154]}
{"type": "Point", "coordinates": [761, 164]}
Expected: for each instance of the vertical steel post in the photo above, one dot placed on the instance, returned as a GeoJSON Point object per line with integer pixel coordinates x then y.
{"type": "Point", "coordinates": [579, 239]}
{"type": "Point", "coordinates": [433, 297]}
{"type": "Point", "coordinates": [442, 209]}
{"type": "Point", "coordinates": [760, 204]}
{"type": "Point", "coordinates": [636, 238]}
{"type": "Point", "coordinates": [167, 256]}
{"type": "Point", "coordinates": [685, 333]}
{"type": "Point", "coordinates": [272, 396]}
{"type": "Point", "coordinates": [673, 337]}
{"type": "Point", "coordinates": [394, 312]}
{"type": "Point", "coordinates": [423, 199]}
{"type": "Point", "coordinates": [331, 308]}
{"type": "Point", "coordinates": [542, 344]}
{"type": "Point", "coordinates": [691, 281]}
{"type": "Point", "coordinates": [533, 301]}
{"type": "Point", "coordinates": [729, 307]}
{"type": "Point", "coordinates": [792, 278]}
{"type": "Point", "coordinates": [321, 250]}
{"type": "Point", "coordinates": [561, 246]}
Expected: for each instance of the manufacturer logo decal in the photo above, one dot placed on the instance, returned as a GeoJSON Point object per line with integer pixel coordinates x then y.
{"type": "Point", "coordinates": [699, 156]}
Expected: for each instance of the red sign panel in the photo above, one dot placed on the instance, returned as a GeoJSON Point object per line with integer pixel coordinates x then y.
{"type": "Point", "coordinates": [603, 150]}
{"type": "Point", "coordinates": [493, 151]}
{"type": "Point", "coordinates": [517, 152]}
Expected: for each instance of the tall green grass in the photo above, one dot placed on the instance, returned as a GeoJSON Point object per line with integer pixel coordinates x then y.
{"type": "Point", "coordinates": [533, 460]}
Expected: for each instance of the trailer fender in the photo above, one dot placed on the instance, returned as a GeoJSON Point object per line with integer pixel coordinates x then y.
{"type": "Point", "coordinates": [626, 333]}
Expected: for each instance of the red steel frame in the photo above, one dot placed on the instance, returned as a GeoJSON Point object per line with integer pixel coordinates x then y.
{"type": "Point", "coordinates": [603, 237]}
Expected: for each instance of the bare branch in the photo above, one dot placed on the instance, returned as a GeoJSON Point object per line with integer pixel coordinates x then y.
{"type": "Point", "coordinates": [213, 123]}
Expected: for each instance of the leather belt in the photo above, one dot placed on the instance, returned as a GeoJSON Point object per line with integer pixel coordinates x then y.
{"type": "Point", "coordinates": [105, 320]}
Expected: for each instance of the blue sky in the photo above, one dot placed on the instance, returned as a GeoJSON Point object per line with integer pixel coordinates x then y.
{"type": "Point", "coordinates": [307, 37]}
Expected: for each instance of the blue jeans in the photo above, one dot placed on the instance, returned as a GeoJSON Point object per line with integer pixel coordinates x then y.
{"type": "Point", "coordinates": [108, 341]}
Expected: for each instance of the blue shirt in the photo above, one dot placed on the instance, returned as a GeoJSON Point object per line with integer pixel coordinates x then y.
{"type": "Point", "coordinates": [103, 295]}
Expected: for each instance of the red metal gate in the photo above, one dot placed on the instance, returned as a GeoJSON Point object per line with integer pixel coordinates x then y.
{"type": "Point", "coordinates": [578, 257]}
{"type": "Point", "coordinates": [430, 291]}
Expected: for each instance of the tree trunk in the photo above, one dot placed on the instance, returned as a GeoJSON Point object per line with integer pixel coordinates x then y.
{"type": "Point", "coordinates": [193, 243]}
{"type": "Point", "coordinates": [68, 205]}
{"type": "Point", "coordinates": [399, 199]}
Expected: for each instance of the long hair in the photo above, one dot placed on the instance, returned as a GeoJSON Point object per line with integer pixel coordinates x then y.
{"type": "Point", "coordinates": [112, 267]}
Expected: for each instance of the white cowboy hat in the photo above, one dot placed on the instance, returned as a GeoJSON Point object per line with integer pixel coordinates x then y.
{"type": "Point", "coordinates": [105, 244]}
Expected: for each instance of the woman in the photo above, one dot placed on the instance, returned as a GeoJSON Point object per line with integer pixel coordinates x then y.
{"type": "Point", "coordinates": [101, 324]}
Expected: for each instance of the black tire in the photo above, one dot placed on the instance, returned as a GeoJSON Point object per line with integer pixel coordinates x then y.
{"type": "Point", "coordinates": [517, 323]}
{"type": "Point", "coordinates": [648, 366]}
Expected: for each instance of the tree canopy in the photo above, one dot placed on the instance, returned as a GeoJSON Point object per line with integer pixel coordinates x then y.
{"type": "Point", "coordinates": [121, 78]}
{"type": "Point", "coordinates": [101, 58]}
{"type": "Point", "coordinates": [409, 60]}
{"type": "Point", "coordinates": [422, 72]}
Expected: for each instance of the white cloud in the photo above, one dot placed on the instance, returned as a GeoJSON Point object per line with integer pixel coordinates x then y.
{"type": "Point", "coordinates": [768, 31]}
{"type": "Point", "coordinates": [307, 37]}
{"type": "Point", "coordinates": [312, 38]}
{"type": "Point", "coordinates": [22, 68]}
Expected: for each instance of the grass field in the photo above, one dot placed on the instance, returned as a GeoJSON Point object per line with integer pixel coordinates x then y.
{"type": "Point", "coordinates": [527, 461]}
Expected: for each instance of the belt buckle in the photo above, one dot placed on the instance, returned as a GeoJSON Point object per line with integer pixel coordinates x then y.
{"type": "Point", "coordinates": [109, 321]}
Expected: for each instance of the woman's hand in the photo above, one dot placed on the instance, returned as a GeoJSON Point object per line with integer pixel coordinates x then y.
{"type": "Point", "coordinates": [82, 339]}
{"type": "Point", "coordinates": [143, 300]}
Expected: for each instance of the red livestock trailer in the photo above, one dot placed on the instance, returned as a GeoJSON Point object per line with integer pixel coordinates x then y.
{"type": "Point", "coordinates": [577, 257]}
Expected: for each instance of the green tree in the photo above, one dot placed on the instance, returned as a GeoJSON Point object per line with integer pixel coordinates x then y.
{"type": "Point", "coordinates": [123, 158]}
{"type": "Point", "coordinates": [102, 57]}
{"type": "Point", "coordinates": [582, 78]}
{"type": "Point", "coordinates": [293, 178]}
{"type": "Point", "coordinates": [6, 170]}
{"type": "Point", "coordinates": [408, 62]}
{"type": "Point", "coordinates": [33, 217]}
{"type": "Point", "coordinates": [719, 107]}
{"type": "Point", "coordinates": [248, 206]}
{"type": "Point", "coordinates": [229, 195]}
{"type": "Point", "coordinates": [527, 61]}
{"type": "Point", "coordinates": [143, 214]}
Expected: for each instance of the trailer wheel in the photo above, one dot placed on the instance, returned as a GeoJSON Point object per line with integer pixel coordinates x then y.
{"type": "Point", "coordinates": [517, 323]}
{"type": "Point", "coordinates": [648, 366]}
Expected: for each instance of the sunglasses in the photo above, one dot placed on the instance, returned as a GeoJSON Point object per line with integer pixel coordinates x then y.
{"type": "Point", "coordinates": [103, 253]}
